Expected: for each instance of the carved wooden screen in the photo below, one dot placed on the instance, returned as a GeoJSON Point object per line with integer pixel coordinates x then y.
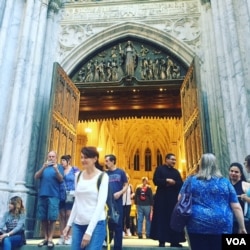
{"type": "Point", "coordinates": [191, 121]}
{"type": "Point", "coordinates": [65, 111]}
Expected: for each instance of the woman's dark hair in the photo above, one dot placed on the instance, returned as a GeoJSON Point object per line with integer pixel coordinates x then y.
{"type": "Point", "coordinates": [240, 167]}
{"type": "Point", "coordinates": [90, 152]}
{"type": "Point", "coordinates": [66, 158]}
{"type": "Point", "coordinates": [98, 165]}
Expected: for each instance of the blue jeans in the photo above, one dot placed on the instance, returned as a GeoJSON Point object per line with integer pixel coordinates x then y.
{"type": "Point", "coordinates": [117, 230]}
{"type": "Point", "coordinates": [97, 238]}
{"type": "Point", "coordinates": [13, 241]}
{"type": "Point", "coordinates": [143, 211]}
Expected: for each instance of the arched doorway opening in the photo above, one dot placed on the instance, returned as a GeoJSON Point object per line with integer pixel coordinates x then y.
{"type": "Point", "coordinates": [135, 116]}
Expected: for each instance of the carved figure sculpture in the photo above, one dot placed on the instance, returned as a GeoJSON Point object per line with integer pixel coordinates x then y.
{"type": "Point", "coordinates": [130, 62]}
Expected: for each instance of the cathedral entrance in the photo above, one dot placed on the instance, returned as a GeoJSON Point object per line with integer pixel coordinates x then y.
{"type": "Point", "coordinates": [137, 116]}
{"type": "Point", "coordinates": [137, 100]}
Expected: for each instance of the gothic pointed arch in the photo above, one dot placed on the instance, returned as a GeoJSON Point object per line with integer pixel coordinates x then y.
{"type": "Point", "coordinates": [124, 31]}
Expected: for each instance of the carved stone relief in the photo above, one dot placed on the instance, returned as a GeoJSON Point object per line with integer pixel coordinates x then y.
{"type": "Point", "coordinates": [130, 59]}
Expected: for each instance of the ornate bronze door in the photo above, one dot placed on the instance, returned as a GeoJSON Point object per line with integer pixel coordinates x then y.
{"type": "Point", "coordinates": [191, 120]}
{"type": "Point", "coordinates": [65, 111]}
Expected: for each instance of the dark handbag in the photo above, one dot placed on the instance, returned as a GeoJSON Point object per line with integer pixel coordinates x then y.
{"type": "Point", "coordinates": [111, 205]}
{"type": "Point", "coordinates": [113, 215]}
{"type": "Point", "coordinates": [182, 210]}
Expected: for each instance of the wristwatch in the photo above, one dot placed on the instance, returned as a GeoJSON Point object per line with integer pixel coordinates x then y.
{"type": "Point", "coordinates": [8, 235]}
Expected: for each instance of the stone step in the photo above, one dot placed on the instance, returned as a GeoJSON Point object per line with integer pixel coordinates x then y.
{"type": "Point", "coordinates": [129, 243]}
{"type": "Point", "coordinates": [33, 247]}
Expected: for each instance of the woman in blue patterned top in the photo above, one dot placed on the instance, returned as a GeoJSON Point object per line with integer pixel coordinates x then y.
{"type": "Point", "coordinates": [214, 201]}
{"type": "Point", "coordinates": [68, 184]}
{"type": "Point", "coordinates": [12, 225]}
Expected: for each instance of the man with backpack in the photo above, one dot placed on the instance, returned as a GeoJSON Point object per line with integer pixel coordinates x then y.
{"type": "Point", "coordinates": [144, 204]}
{"type": "Point", "coordinates": [118, 184]}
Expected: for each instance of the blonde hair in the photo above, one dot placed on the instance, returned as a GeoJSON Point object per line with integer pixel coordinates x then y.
{"type": "Point", "coordinates": [17, 202]}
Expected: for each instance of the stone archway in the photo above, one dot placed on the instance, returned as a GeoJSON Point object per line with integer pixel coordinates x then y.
{"type": "Point", "coordinates": [123, 30]}
{"type": "Point", "coordinates": [154, 36]}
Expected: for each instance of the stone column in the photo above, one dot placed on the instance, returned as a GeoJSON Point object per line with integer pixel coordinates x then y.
{"type": "Point", "coordinates": [41, 120]}
{"type": "Point", "coordinates": [7, 8]}
{"type": "Point", "coordinates": [33, 111]}
{"type": "Point", "coordinates": [211, 92]}
{"type": "Point", "coordinates": [8, 95]}
{"type": "Point", "coordinates": [223, 81]}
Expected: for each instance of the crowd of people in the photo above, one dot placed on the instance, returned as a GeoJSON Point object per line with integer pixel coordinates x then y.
{"type": "Point", "coordinates": [216, 200]}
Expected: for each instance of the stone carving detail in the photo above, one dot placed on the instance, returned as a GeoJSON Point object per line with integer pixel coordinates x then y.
{"type": "Point", "coordinates": [176, 13]}
{"type": "Point", "coordinates": [130, 59]}
{"type": "Point", "coordinates": [185, 29]}
{"type": "Point", "coordinates": [55, 5]}
{"type": "Point", "coordinates": [120, 11]}
{"type": "Point", "coordinates": [72, 35]}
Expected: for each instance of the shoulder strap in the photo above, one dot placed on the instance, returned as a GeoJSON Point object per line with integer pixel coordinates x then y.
{"type": "Point", "coordinates": [99, 180]}
{"type": "Point", "coordinates": [78, 176]}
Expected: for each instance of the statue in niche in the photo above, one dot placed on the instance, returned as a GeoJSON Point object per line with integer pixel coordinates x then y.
{"type": "Point", "coordinates": [143, 51]}
{"type": "Point", "coordinates": [89, 74]}
{"type": "Point", "coordinates": [150, 69]}
{"type": "Point", "coordinates": [101, 71]}
{"type": "Point", "coordinates": [176, 71]}
{"type": "Point", "coordinates": [155, 69]}
{"type": "Point", "coordinates": [114, 52]}
{"type": "Point", "coordinates": [96, 71]}
{"type": "Point", "coordinates": [130, 59]}
{"type": "Point", "coordinates": [114, 74]}
{"type": "Point", "coordinates": [144, 69]}
{"type": "Point", "coordinates": [163, 68]}
{"type": "Point", "coordinates": [170, 65]}
{"type": "Point", "coordinates": [81, 75]}
{"type": "Point", "coordinates": [109, 71]}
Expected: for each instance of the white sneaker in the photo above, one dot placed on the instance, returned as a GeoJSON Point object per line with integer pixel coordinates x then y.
{"type": "Point", "coordinates": [60, 240]}
{"type": "Point", "coordinates": [129, 233]}
{"type": "Point", "coordinates": [68, 241]}
{"type": "Point", "coordinates": [104, 244]}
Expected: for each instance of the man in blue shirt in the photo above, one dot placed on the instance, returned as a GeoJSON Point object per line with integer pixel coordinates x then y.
{"type": "Point", "coordinates": [119, 184]}
{"type": "Point", "coordinates": [50, 175]}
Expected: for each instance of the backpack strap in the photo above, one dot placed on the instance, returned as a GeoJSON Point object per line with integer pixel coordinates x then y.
{"type": "Point", "coordinates": [78, 176]}
{"type": "Point", "coordinates": [99, 180]}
